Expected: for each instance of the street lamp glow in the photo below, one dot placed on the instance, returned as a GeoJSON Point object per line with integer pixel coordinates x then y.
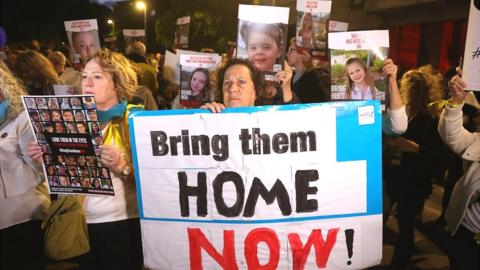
{"type": "Point", "coordinates": [110, 21]}
{"type": "Point", "coordinates": [141, 5]}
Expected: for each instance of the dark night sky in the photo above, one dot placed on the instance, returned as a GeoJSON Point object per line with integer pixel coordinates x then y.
{"type": "Point", "coordinates": [24, 20]}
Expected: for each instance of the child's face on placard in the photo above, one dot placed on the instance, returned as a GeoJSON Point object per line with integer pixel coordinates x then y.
{"type": "Point", "coordinates": [262, 50]}
{"type": "Point", "coordinates": [356, 72]}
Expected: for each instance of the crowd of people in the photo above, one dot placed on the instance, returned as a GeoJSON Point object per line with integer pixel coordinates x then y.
{"type": "Point", "coordinates": [421, 138]}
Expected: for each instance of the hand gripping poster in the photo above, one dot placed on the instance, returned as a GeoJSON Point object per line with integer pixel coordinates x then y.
{"type": "Point", "coordinates": [67, 129]}
{"type": "Point", "coordinates": [356, 60]}
{"type": "Point", "coordinates": [260, 187]}
{"type": "Point", "coordinates": [471, 62]}
{"type": "Point", "coordinates": [83, 39]}
{"type": "Point", "coordinates": [196, 87]}
{"type": "Point", "coordinates": [262, 37]}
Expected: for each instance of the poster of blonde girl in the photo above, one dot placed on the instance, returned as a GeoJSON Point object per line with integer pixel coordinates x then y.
{"type": "Point", "coordinates": [312, 23]}
{"type": "Point", "coordinates": [356, 64]}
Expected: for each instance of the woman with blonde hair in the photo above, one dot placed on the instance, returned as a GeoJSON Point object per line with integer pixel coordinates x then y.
{"type": "Point", "coordinates": [113, 224]}
{"type": "Point", "coordinates": [24, 194]}
{"type": "Point", "coordinates": [37, 72]}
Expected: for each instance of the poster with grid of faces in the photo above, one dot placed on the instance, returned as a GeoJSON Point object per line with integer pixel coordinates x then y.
{"type": "Point", "coordinates": [67, 129]}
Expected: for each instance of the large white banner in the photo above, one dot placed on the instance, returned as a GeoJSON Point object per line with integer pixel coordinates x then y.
{"type": "Point", "coordinates": [284, 187]}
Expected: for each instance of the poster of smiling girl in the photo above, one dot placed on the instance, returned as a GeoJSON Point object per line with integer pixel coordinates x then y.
{"type": "Point", "coordinates": [195, 84]}
{"type": "Point", "coordinates": [312, 22]}
{"type": "Point", "coordinates": [356, 60]}
{"type": "Point", "coordinates": [262, 37]}
{"type": "Point", "coordinates": [83, 39]}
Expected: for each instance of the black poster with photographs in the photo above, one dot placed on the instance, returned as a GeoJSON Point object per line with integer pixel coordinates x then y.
{"type": "Point", "coordinates": [67, 129]}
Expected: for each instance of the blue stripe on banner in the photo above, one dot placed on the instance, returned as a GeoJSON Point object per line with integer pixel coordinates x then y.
{"type": "Point", "coordinates": [133, 145]}
{"type": "Point", "coordinates": [354, 142]}
{"type": "Point", "coordinates": [262, 221]}
{"type": "Point", "coordinates": [362, 142]}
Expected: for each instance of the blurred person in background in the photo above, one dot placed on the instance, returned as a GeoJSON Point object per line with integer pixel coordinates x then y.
{"type": "Point", "coordinates": [67, 74]}
{"type": "Point", "coordinates": [24, 195]}
{"type": "Point", "coordinates": [37, 72]}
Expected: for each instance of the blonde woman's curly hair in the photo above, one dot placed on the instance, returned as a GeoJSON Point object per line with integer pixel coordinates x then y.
{"type": "Point", "coordinates": [123, 73]}
{"type": "Point", "coordinates": [11, 89]}
{"type": "Point", "coordinates": [418, 89]}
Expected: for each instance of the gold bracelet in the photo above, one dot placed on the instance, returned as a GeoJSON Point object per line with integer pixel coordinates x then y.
{"type": "Point", "coordinates": [453, 105]}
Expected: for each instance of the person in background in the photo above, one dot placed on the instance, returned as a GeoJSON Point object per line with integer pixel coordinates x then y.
{"type": "Point", "coordinates": [12, 58]}
{"type": "Point", "coordinates": [421, 149]}
{"type": "Point", "coordinates": [113, 224]}
{"type": "Point", "coordinates": [463, 212]}
{"type": "Point", "coordinates": [306, 82]}
{"type": "Point", "coordinates": [37, 73]}
{"type": "Point", "coordinates": [147, 73]}
{"type": "Point", "coordinates": [24, 195]}
{"type": "Point", "coordinates": [67, 74]}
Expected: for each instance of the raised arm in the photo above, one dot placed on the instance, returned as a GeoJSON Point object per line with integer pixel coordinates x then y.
{"type": "Point", "coordinates": [397, 120]}
{"type": "Point", "coordinates": [451, 121]}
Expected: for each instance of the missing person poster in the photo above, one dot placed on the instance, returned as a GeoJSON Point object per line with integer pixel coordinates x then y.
{"type": "Point", "coordinates": [83, 39]}
{"type": "Point", "coordinates": [471, 60]}
{"type": "Point", "coordinates": [312, 23]}
{"type": "Point", "coordinates": [238, 190]}
{"type": "Point", "coordinates": [336, 26]}
{"type": "Point", "coordinates": [182, 32]}
{"type": "Point", "coordinates": [133, 35]}
{"type": "Point", "coordinates": [67, 129]}
{"type": "Point", "coordinates": [196, 87]}
{"type": "Point", "coordinates": [356, 60]}
{"type": "Point", "coordinates": [262, 37]}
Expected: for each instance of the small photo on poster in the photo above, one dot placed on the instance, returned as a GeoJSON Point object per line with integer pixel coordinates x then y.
{"type": "Point", "coordinates": [196, 88]}
{"type": "Point", "coordinates": [312, 24]}
{"type": "Point", "coordinates": [182, 32]}
{"type": "Point", "coordinates": [70, 136]}
{"type": "Point", "coordinates": [262, 37]}
{"type": "Point", "coordinates": [133, 35]}
{"type": "Point", "coordinates": [83, 39]}
{"type": "Point", "coordinates": [356, 60]}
